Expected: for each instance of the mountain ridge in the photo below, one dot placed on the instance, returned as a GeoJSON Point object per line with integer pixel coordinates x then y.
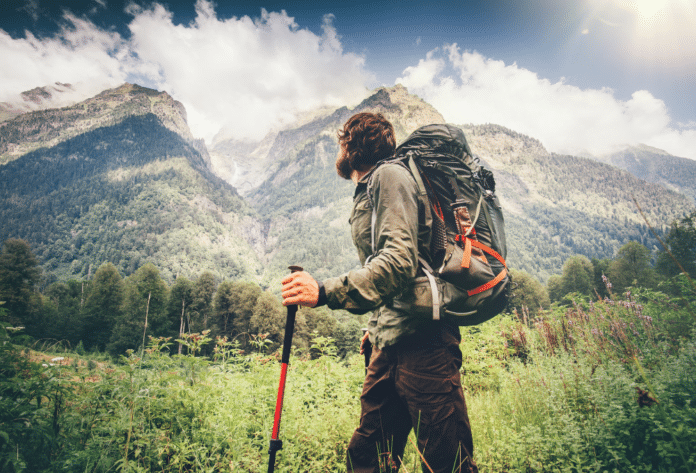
{"type": "Point", "coordinates": [406, 111]}
{"type": "Point", "coordinates": [45, 128]}
{"type": "Point", "coordinates": [656, 166]}
{"type": "Point", "coordinates": [168, 201]}
{"type": "Point", "coordinates": [127, 185]}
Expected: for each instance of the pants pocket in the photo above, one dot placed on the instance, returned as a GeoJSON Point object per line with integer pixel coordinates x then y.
{"type": "Point", "coordinates": [431, 399]}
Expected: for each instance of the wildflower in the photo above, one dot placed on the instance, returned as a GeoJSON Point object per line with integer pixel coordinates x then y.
{"type": "Point", "coordinates": [44, 365]}
{"type": "Point", "coordinates": [58, 358]}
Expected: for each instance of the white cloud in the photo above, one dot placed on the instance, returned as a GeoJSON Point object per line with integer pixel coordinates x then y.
{"type": "Point", "coordinates": [422, 75]}
{"type": "Point", "coordinates": [565, 118]}
{"type": "Point", "coordinates": [81, 54]}
{"type": "Point", "coordinates": [248, 75]}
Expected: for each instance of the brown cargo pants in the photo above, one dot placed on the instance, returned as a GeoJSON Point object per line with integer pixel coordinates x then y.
{"type": "Point", "coordinates": [416, 389]}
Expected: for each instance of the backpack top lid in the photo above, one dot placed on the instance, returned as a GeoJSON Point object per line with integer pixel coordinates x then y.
{"type": "Point", "coordinates": [438, 139]}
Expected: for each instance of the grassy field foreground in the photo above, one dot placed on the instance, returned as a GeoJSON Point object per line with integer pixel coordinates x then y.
{"type": "Point", "coordinates": [604, 386]}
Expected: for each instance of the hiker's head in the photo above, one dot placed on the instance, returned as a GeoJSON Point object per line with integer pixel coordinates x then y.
{"type": "Point", "coordinates": [365, 139]}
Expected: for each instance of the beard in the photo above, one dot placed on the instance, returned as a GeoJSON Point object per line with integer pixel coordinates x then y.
{"type": "Point", "coordinates": [343, 165]}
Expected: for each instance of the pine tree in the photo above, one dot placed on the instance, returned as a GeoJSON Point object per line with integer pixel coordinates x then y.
{"type": "Point", "coordinates": [202, 304]}
{"type": "Point", "coordinates": [144, 310]}
{"type": "Point", "coordinates": [682, 247]}
{"type": "Point", "coordinates": [102, 307]}
{"type": "Point", "coordinates": [179, 307]}
{"type": "Point", "coordinates": [19, 274]}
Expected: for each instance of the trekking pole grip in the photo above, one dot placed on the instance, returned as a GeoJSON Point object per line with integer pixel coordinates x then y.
{"type": "Point", "coordinates": [289, 324]}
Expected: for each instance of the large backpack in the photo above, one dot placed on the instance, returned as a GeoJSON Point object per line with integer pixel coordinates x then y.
{"type": "Point", "coordinates": [468, 271]}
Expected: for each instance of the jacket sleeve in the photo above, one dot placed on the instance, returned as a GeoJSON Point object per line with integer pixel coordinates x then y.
{"type": "Point", "coordinates": [395, 262]}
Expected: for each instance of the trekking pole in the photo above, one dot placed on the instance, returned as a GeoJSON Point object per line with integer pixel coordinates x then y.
{"type": "Point", "coordinates": [367, 350]}
{"type": "Point", "coordinates": [277, 444]}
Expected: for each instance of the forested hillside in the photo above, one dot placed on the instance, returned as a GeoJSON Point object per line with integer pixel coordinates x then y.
{"type": "Point", "coordinates": [557, 206]}
{"type": "Point", "coordinates": [654, 165]}
{"type": "Point", "coordinates": [127, 193]}
{"type": "Point", "coordinates": [120, 179]}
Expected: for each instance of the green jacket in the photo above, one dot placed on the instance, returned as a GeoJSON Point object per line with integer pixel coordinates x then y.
{"type": "Point", "coordinates": [387, 283]}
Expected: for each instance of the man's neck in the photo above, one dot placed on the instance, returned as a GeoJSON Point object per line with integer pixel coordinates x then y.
{"type": "Point", "coordinates": [357, 175]}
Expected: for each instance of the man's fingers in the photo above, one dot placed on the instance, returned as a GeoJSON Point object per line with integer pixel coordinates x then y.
{"type": "Point", "coordinates": [291, 285]}
{"type": "Point", "coordinates": [300, 289]}
{"type": "Point", "coordinates": [291, 291]}
{"type": "Point", "coordinates": [292, 301]}
{"type": "Point", "coordinates": [289, 278]}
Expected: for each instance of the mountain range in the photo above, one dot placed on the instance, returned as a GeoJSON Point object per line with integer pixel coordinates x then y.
{"type": "Point", "coordinates": [120, 178]}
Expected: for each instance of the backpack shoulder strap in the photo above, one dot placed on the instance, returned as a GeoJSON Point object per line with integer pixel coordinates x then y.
{"type": "Point", "coordinates": [413, 167]}
{"type": "Point", "coordinates": [422, 192]}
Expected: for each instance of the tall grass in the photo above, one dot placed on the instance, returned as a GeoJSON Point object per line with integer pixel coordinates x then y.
{"type": "Point", "coordinates": [579, 392]}
{"type": "Point", "coordinates": [594, 387]}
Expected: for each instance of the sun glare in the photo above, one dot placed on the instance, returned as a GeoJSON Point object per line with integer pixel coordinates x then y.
{"type": "Point", "coordinates": [659, 31]}
{"type": "Point", "coordinates": [646, 8]}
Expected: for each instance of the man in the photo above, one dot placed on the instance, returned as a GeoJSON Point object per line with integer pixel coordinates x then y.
{"type": "Point", "coordinates": [413, 379]}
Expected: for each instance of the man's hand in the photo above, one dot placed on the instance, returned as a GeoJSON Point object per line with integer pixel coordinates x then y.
{"type": "Point", "coordinates": [300, 289]}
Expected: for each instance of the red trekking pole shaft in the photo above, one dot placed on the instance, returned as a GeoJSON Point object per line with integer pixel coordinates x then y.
{"type": "Point", "coordinates": [277, 444]}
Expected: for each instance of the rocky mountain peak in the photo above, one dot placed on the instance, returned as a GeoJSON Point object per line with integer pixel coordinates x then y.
{"type": "Point", "coordinates": [406, 111]}
{"type": "Point", "coordinates": [46, 128]}
{"type": "Point", "coordinates": [40, 95]}
{"type": "Point", "coordinates": [38, 98]}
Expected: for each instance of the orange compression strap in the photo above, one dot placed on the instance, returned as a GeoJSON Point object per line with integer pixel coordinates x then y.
{"type": "Point", "coordinates": [488, 285]}
{"type": "Point", "coordinates": [488, 250]}
{"type": "Point", "coordinates": [466, 260]}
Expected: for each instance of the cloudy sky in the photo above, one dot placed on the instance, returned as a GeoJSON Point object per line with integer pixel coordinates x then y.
{"type": "Point", "coordinates": [579, 75]}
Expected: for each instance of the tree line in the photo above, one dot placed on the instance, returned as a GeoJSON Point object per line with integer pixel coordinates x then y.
{"type": "Point", "coordinates": [634, 265]}
{"type": "Point", "coordinates": [107, 312]}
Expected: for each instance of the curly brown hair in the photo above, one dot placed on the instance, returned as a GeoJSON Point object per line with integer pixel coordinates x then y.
{"type": "Point", "coordinates": [365, 139]}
